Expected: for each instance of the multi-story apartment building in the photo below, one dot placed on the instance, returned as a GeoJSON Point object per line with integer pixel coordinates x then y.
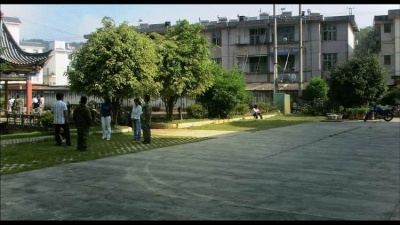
{"type": "Point", "coordinates": [387, 35]}
{"type": "Point", "coordinates": [58, 64]}
{"type": "Point", "coordinates": [248, 43]}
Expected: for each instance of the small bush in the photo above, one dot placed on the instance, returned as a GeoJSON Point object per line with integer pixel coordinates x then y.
{"type": "Point", "coordinates": [266, 107]}
{"type": "Point", "coordinates": [196, 111]}
{"type": "Point", "coordinates": [46, 120]}
{"type": "Point", "coordinates": [241, 109]}
{"type": "Point", "coordinates": [392, 97]}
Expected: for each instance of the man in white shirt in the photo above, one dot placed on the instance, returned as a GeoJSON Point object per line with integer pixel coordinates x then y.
{"type": "Point", "coordinates": [35, 102]}
{"type": "Point", "coordinates": [11, 104]}
{"type": "Point", "coordinates": [60, 111]}
{"type": "Point", "coordinates": [41, 102]}
{"type": "Point", "coordinates": [256, 112]}
{"type": "Point", "coordinates": [135, 117]}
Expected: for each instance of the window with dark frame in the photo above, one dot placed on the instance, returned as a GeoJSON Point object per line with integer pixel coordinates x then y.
{"type": "Point", "coordinates": [216, 38]}
{"type": "Point", "coordinates": [329, 61]}
{"type": "Point", "coordinates": [285, 60]}
{"type": "Point", "coordinates": [387, 28]}
{"type": "Point", "coordinates": [329, 33]}
{"type": "Point", "coordinates": [387, 60]}
{"type": "Point", "coordinates": [218, 60]}
{"type": "Point", "coordinates": [258, 64]}
{"type": "Point", "coordinates": [285, 33]}
{"type": "Point", "coordinates": [257, 36]}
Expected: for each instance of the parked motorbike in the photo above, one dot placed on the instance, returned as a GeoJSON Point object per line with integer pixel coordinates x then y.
{"type": "Point", "coordinates": [380, 113]}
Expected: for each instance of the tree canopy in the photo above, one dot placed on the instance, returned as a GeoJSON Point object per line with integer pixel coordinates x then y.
{"type": "Point", "coordinates": [185, 68]}
{"type": "Point", "coordinates": [228, 91]}
{"type": "Point", "coordinates": [366, 41]}
{"type": "Point", "coordinates": [116, 61]}
{"type": "Point", "coordinates": [316, 88]}
{"type": "Point", "coordinates": [357, 81]}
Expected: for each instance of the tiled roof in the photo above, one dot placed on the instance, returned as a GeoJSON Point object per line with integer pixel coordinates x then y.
{"type": "Point", "coordinates": [11, 52]}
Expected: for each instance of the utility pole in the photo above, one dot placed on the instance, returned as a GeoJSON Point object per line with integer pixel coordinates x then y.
{"type": "Point", "coordinates": [275, 54]}
{"type": "Point", "coordinates": [301, 52]}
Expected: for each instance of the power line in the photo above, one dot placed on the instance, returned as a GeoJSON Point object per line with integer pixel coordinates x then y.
{"type": "Point", "coordinates": [74, 36]}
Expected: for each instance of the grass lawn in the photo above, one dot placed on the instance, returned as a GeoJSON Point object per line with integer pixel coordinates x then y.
{"type": "Point", "coordinates": [261, 124]}
{"type": "Point", "coordinates": [35, 155]}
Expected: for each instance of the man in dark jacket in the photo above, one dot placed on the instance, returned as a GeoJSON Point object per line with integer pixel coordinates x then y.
{"type": "Point", "coordinates": [83, 119]}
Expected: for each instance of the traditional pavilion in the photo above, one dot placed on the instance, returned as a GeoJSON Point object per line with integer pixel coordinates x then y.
{"type": "Point", "coordinates": [18, 65]}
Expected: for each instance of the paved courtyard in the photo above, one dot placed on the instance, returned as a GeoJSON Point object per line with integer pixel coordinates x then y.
{"type": "Point", "coordinates": [314, 171]}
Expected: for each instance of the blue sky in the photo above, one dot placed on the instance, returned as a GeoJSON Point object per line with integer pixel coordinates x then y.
{"type": "Point", "coordinates": [69, 22]}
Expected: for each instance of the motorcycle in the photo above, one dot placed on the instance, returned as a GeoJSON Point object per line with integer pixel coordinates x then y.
{"type": "Point", "coordinates": [380, 113]}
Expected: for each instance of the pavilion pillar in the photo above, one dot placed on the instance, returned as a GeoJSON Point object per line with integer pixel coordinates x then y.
{"type": "Point", "coordinates": [28, 96]}
{"type": "Point", "coordinates": [6, 96]}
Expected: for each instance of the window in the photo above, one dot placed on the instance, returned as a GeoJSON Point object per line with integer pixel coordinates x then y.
{"type": "Point", "coordinates": [257, 36]}
{"type": "Point", "coordinates": [282, 62]}
{"type": "Point", "coordinates": [258, 64]}
{"type": "Point", "coordinates": [330, 33]}
{"type": "Point", "coordinates": [387, 60]}
{"type": "Point", "coordinates": [387, 28]}
{"type": "Point", "coordinates": [329, 61]}
{"type": "Point", "coordinates": [217, 60]}
{"type": "Point", "coordinates": [285, 33]}
{"type": "Point", "coordinates": [216, 38]}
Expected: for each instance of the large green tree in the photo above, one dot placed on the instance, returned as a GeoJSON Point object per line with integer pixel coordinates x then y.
{"type": "Point", "coordinates": [116, 62]}
{"type": "Point", "coordinates": [185, 69]}
{"type": "Point", "coordinates": [228, 91]}
{"type": "Point", "coordinates": [357, 81]}
{"type": "Point", "coordinates": [366, 41]}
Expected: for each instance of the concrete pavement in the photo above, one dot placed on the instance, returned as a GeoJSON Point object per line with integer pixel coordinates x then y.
{"type": "Point", "coordinates": [314, 171]}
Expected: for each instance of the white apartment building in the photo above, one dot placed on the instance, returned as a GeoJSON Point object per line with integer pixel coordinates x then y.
{"type": "Point", "coordinates": [33, 47]}
{"type": "Point", "coordinates": [58, 64]}
{"type": "Point", "coordinates": [387, 35]}
{"type": "Point", "coordinates": [248, 43]}
{"type": "Point", "coordinates": [53, 74]}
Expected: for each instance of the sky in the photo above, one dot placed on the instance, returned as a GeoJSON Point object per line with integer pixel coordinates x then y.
{"type": "Point", "coordinates": [69, 22]}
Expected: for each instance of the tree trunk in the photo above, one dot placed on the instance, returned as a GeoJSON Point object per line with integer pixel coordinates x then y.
{"type": "Point", "coordinates": [169, 107]}
{"type": "Point", "coordinates": [116, 103]}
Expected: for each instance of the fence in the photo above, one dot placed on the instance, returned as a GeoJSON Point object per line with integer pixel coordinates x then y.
{"type": "Point", "coordinates": [74, 98]}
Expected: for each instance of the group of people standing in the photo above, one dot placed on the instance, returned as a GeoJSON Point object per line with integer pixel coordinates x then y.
{"type": "Point", "coordinates": [16, 104]}
{"type": "Point", "coordinates": [82, 116]}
